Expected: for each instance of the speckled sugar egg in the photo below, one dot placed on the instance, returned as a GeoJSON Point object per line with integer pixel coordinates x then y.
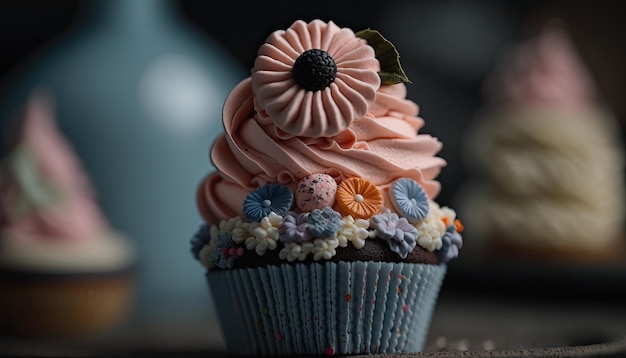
{"type": "Point", "coordinates": [315, 191]}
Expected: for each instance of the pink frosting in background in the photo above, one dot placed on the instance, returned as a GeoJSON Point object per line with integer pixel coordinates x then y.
{"type": "Point", "coordinates": [381, 147]}
{"type": "Point", "coordinates": [72, 214]}
{"type": "Point", "coordinates": [546, 69]}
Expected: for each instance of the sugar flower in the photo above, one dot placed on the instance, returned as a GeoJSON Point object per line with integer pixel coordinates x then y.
{"type": "Point", "coordinates": [226, 252]}
{"type": "Point", "coordinates": [264, 234]}
{"type": "Point", "coordinates": [355, 231]}
{"type": "Point", "coordinates": [241, 232]}
{"type": "Point", "coordinates": [451, 242]}
{"type": "Point", "coordinates": [269, 198]}
{"type": "Point", "coordinates": [324, 223]}
{"type": "Point", "coordinates": [295, 227]}
{"type": "Point", "coordinates": [398, 232]}
{"type": "Point", "coordinates": [314, 79]}
{"type": "Point", "coordinates": [431, 230]}
{"type": "Point", "coordinates": [324, 249]}
{"type": "Point", "coordinates": [358, 197]}
{"type": "Point", "coordinates": [228, 225]}
{"type": "Point", "coordinates": [293, 251]}
{"type": "Point", "coordinates": [201, 238]}
{"type": "Point", "coordinates": [205, 256]}
{"type": "Point", "coordinates": [410, 199]}
{"type": "Point", "coordinates": [204, 243]}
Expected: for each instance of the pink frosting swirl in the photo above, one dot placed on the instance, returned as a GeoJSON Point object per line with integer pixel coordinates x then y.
{"type": "Point", "coordinates": [44, 193]}
{"type": "Point", "coordinates": [382, 146]}
{"type": "Point", "coordinates": [545, 69]}
{"type": "Point", "coordinates": [322, 113]}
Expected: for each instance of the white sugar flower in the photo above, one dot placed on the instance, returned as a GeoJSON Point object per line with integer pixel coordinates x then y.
{"type": "Point", "coordinates": [431, 230]}
{"type": "Point", "coordinates": [448, 216]}
{"type": "Point", "coordinates": [296, 251]}
{"type": "Point", "coordinates": [205, 253]}
{"type": "Point", "coordinates": [355, 231]}
{"type": "Point", "coordinates": [214, 232]}
{"type": "Point", "coordinates": [264, 234]}
{"type": "Point", "coordinates": [274, 219]}
{"type": "Point", "coordinates": [445, 215]}
{"type": "Point", "coordinates": [324, 248]}
{"type": "Point", "coordinates": [226, 226]}
{"type": "Point", "coordinates": [235, 227]}
{"type": "Point", "coordinates": [240, 233]}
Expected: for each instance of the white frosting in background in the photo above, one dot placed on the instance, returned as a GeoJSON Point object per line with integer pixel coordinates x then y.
{"type": "Point", "coordinates": [110, 252]}
{"type": "Point", "coordinates": [552, 178]}
{"type": "Point", "coordinates": [547, 159]}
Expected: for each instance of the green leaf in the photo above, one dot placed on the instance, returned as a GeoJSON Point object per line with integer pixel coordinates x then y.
{"type": "Point", "coordinates": [391, 71]}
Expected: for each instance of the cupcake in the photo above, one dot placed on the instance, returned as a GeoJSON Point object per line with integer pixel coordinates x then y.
{"type": "Point", "coordinates": [321, 234]}
{"type": "Point", "coordinates": [63, 271]}
{"type": "Point", "coordinates": [548, 162]}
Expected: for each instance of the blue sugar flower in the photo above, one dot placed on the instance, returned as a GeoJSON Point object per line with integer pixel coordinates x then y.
{"type": "Point", "coordinates": [270, 198]}
{"type": "Point", "coordinates": [400, 235]}
{"type": "Point", "coordinates": [295, 228]}
{"type": "Point", "coordinates": [451, 242]}
{"type": "Point", "coordinates": [410, 199]}
{"type": "Point", "coordinates": [324, 223]}
{"type": "Point", "coordinates": [226, 252]}
{"type": "Point", "coordinates": [200, 239]}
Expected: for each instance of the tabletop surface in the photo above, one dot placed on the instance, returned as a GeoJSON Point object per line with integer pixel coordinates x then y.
{"type": "Point", "coordinates": [464, 324]}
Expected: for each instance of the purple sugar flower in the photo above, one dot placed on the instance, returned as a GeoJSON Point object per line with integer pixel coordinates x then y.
{"type": "Point", "coordinates": [451, 242]}
{"type": "Point", "coordinates": [295, 228]}
{"type": "Point", "coordinates": [401, 236]}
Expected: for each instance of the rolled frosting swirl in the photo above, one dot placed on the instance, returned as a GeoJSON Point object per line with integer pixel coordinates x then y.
{"type": "Point", "coordinates": [44, 192]}
{"type": "Point", "coordinates": [382, 146]}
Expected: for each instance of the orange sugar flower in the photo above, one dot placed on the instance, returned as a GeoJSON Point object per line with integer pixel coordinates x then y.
{"type": "Point", "coordinates": [358, 197]}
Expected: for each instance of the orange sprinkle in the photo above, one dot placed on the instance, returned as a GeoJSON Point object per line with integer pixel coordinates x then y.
{"type": "Point", "coordinates": [458, 225]}
{"type": "Point", "coordinates": [399, 290]}
{"type": "Point", "coordinates": [348, 297]}
{"type": "Point", "coordinates": [446, 221]}
{"type": "Point", "coordinates": [359, 198]}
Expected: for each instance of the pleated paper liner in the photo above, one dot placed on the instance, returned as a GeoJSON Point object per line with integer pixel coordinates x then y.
{"type": "Point", "coordinates": [64, 305]}
{"type": "Point", "coordinates": [326, 308]}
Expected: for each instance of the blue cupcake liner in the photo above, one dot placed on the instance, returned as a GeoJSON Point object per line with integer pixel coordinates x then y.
{"type": "Point", "coordinates": [326, 308]}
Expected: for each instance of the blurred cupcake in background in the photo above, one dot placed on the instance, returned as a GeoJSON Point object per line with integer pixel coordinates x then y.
{"type": "Point", "coordinates": [63, 270]}
{"type": "Point", "coordinates": [546, 158]}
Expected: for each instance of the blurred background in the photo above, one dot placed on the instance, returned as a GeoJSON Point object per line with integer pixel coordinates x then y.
{"type": "Point", "coordinates": [140, 84]}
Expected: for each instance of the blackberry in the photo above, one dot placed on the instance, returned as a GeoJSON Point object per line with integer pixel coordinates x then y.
{"type": "Point", "coordinates": [314, 70]}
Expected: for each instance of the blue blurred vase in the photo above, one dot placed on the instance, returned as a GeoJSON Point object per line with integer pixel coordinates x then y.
{"type": "Point", "coordinates": [139, 94]}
